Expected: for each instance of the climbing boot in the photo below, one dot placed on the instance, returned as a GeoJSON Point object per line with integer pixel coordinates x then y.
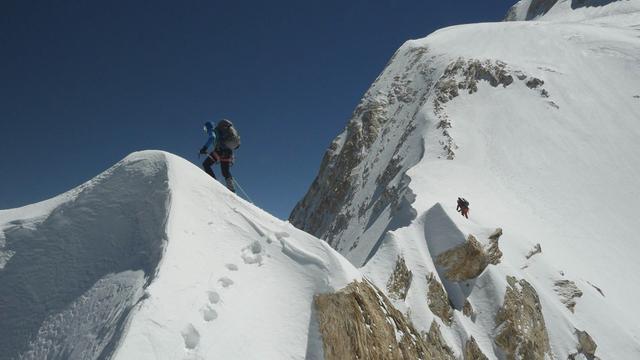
{"type": "Point", "coordinates": [230, 186]}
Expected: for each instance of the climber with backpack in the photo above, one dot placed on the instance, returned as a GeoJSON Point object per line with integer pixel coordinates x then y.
{"type": "Point", "coordinates": [224, 138]}
{"type": "Point", "coordinates": [463, 207]}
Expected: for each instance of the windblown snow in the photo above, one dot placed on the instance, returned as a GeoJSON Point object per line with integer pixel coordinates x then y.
{"type": "Point", "coordinates": [154, 260]}
{"type": "Point", "coordinates": [536, 123]}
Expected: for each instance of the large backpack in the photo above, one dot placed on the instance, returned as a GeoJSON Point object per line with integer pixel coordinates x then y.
{"type": "Point", "coordinates": [229, 137]}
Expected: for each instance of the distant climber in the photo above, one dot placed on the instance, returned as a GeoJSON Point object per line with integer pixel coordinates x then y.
{"type": "Point", "coordinates": [224, 138]}
{"type": "Point", "coordinates": [463, 207]}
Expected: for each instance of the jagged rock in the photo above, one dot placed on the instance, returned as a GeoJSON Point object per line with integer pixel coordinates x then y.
{"type": "Point", "coordinates": [333, 200]}
{"type": "Point", "coordinates": [467, 309]}
{"type": "Point", "coordinates": [534, 83]}
{"type": "Point", "coordinates": [439, 347]}
{"type": "Point", "coordinates": [472, 351]}
{"type": "Point", "coordinates": [468, 260]}
{"type": "Point", "coordinates": [522, 333]}
{"type": "Point", "coordinates": [536, 250]}
{"type": "Point", "coordinates": [586, 346]}
{"type": "Point", "coordinates": [359, 322]}
{"type": "Point", "coordinates": [400, 280]}
{"type": "Point", "coordinates": [439, 300]}
{"type": "Point", "coordinates": [568, 292]}
{"type": "Point", "coordinates": [497, 233]}
{"type": "Point", "coordinates": [493, 250]}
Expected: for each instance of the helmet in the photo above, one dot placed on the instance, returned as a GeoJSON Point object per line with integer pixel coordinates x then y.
{"type": "Point", "coordinates": [208, 126]}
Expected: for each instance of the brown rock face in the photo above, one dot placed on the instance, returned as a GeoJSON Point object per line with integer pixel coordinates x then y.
{"type": "Point", "coordinates": [587, 345]}
{"type": "Point", "coordinates": [468, 260]}
{"type": "Point", "coordinates": [522, 333]}
{"type": "Point", "coordinates": [370, 152]}
{"type": "Point", "coordinates": [467, 310]}
{"type": "Point", "coordinates": [435, 342]}
{"type": "Point", "coordinates": [493, 250]}
{"type": "Point", "coordinates": [439, 300]}
{"type": "Point", "coordinates": [359, 322]}
{"type": "Point", "coordinates": [400, 280]}
{"type": "Point", "coordinates": [472, 351]}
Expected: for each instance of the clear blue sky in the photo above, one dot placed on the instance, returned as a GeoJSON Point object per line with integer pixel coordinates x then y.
{"type": "Point", "coordinates": [84, 83]}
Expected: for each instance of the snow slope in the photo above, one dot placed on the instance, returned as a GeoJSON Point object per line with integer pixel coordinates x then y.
{"type": "Point", "coordinates": [155, 260]}
{"type": "Point", "coordinates": [544, 145]}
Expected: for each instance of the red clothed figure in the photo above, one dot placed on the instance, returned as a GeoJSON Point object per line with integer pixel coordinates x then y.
{"type": "Point", "coordinates": [463, 207]}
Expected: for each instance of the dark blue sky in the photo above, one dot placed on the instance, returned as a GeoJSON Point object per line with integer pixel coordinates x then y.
{"type": "Point", "coordinates": [84, 83]}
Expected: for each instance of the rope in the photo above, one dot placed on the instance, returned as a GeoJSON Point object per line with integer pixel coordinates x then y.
{"type": "Point", "coordinates": [241, 189]}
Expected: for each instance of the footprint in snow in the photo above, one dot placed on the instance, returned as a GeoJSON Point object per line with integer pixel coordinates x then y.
{"type": "Point", "coordinates": [191, 337]}
{"type": "Point", "coordinates": [225, 282]}
{"type": "Point", "coordinates": [209, 314]}
{"type": "Point", "coordinates": [232, 267]}
{"type": "Point", "coordinates": [214, 297]}
{"type": "Point", "coordinates": [252, 254]}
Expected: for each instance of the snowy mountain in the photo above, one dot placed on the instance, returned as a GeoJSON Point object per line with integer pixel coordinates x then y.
{"type": "Point", "coordinates": [536, 123]}
{"type": "Point", "coordinates": [154, 260]}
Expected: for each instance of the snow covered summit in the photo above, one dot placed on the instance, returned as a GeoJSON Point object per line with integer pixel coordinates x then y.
{"type": "Point", "coordinates": [154, 260]}
{"type": "Point", "coordinates": [537, 124]}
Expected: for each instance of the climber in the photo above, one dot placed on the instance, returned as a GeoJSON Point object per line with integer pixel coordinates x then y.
{"type": "Point", "coordinates": [463, 207]}
{"type": "Point", "coordinates": [224, 138]}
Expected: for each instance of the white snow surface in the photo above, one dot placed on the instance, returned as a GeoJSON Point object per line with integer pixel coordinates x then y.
{"type": "Point", "coordinates": [153, 259]}
{"type": "Point", "coordinates": [560, 171]}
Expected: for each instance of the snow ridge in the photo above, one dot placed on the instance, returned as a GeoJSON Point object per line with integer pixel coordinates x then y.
{"type": "Point", "coordinates": [79, 269]}
{"type": "Point", "coordinates": [535, 123]}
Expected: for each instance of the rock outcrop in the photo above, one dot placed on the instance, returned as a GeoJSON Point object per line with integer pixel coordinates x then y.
{"type": "Point", "coordinates": [335, 200]}
{"type": "Point", "coordinates": [435, 342]}
{"type": "Point", "coordinates": [359, 322]}
{"type": "Point", "coordinates": [469, 259]}
{"type": "Point", "coordinates": [472, 351]}
{"type": "Point", "coordinates": [438, 300]}
{"type": "Point", "coordinates": [493, 250]}
{"type": "Point", "coordinates": [568, 292]}
{"type": "Point", "coordinates": [467, 310]}
{"type": "Point", "coordinates": [463, 75]}
{"type": "Point", "coordinates": [521, 330]}
{"type": "Point", "coordinates": [400, 280]}
{"type": "Point", "coordinates": [536, 250]}
{"type": "Point", "coordinates": [586, 346]}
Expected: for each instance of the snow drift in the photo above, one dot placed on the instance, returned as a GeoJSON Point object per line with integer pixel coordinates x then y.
{"type": "Point", "coordinates": [154, 260]}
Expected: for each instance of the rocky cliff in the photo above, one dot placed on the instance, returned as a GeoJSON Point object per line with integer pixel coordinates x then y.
{"type": "Point", "coordinates": [526, 120]}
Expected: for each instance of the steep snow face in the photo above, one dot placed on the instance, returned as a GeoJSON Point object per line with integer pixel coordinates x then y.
{"type": "Point", "coordinates": [570, 10]}
{"type": "Point", "coordinates": [155, 260]}
{"type": "Point", "coordinates": [75, 265]}
{"type": "Point", "coordinates": [536, 123]}
{"type": "Point", "coordinates": [234, 283]}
